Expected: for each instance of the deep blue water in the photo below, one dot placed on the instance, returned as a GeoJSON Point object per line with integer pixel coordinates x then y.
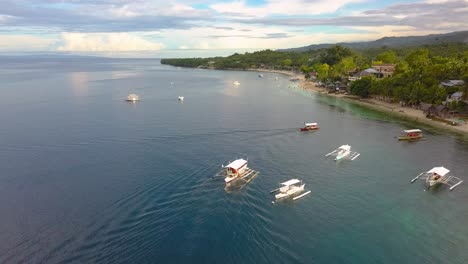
{"type": "Point", "coordinates": [89, 178]}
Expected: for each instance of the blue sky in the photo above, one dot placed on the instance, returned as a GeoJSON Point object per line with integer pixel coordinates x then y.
{"type": "Point", "coordinates": [188, 26]}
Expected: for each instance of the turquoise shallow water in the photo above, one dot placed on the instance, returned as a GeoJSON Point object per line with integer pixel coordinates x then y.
{"type": "Point", "coordinates": [89, 178]}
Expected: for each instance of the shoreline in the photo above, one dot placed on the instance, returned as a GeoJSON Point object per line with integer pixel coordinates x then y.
{"type": "Point", "coordinates": [406, 113]}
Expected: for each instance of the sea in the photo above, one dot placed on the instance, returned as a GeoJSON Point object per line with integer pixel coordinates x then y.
{"type": "Point", "coordinates": [87, 177]}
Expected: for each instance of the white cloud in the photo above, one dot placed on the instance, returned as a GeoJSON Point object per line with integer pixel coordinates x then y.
{"type": "Point", "coordinates": [272, 7]}
{"type": "Point", "coordinates": [106, 42]}
{"type": "Point", "coordinates": [24, 43]}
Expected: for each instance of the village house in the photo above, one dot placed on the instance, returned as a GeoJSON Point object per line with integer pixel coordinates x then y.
{"type": "Point", "coordinates": [385, 69]}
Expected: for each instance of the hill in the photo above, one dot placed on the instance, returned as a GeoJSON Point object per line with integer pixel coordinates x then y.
{"type": "Point", "coordinates": [393, 42]}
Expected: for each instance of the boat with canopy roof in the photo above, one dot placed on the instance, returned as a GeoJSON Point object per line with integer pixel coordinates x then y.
{"type": "Point", "coordinates": [310, 127]}
{"type": "Point", "coordinates": [293, 188]}
{"type": "Point", "coordinates": [410, 134]}
{"type": "Point", "coordinates": [343, 152]}
{"type": "Point", "coordinates": [438, 176]}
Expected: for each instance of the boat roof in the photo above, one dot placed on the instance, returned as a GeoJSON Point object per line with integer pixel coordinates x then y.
{"type": "Point", "coordinates": [290, 182]}
{"type": "Point", "coordinates": [347, 147]}
{"type": "Point", "coordinates": [412, 131]}
{"type": "Point", "coordinates": [237, 164]}
{"type": "Point", "coordinates": [310, 124]}
{"type": "Point", "coordinates": [439, 170]}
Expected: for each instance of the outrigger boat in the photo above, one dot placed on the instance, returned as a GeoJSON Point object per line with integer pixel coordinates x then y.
{"type": "Point", "coordinates": [343, 152]}
{"type": "Point", "coordinates": [290, 189]}
{"type": "Point", "coordinates": [411, 134]}
{"type": "Point", "coordinates": [132, 98]}
{"type": "Point", "coordinates": [310, 127]}
{"type": "Point", "coordinates": [237, 170]}
{"type": "Point", "coordinates": [438, 176]}
{"type": "Point", "coordinates": [180, 98]}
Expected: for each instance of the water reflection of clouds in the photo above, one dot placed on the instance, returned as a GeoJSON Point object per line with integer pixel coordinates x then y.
{"type": "Point", "coordinates": [79, 82]}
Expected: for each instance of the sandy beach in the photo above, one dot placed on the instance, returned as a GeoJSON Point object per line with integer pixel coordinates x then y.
{"type": "Point", "coordinates": [407, 113]}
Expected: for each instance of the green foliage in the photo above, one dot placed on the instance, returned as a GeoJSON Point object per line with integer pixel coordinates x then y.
{"type": "Point", "coordinates": [388, 56]}
{"type": "Point", "coordinates": [334, 55]}
{"type": "Point", "coordinates": [416, 78]}
{"type": "Point", "coordinates": [362, 87]}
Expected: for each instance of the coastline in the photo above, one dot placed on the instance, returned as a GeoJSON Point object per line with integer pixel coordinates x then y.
{"type": "Point", "coordinates": [406, 113]}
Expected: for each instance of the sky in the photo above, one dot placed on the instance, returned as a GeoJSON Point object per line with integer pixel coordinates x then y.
{"type": "Point", "coordinates": [209, 27]}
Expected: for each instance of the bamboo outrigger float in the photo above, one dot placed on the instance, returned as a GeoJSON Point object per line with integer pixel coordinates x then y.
{"type": "Point", "coordinates": [343, 152]}
{"type": "Point", "coordinates": [293, 188]}
{"type": "Point", "coordinates": [411, 134]}
{"type": "Point", "coordinates": [438, 176]}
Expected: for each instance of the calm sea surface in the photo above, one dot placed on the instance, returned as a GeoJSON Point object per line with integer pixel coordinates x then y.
{"type": "Point", "coordinates": [89, 178]}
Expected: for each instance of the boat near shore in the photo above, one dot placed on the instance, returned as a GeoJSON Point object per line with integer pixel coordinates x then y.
{"type": "Point", "coordinates": [411, 134]}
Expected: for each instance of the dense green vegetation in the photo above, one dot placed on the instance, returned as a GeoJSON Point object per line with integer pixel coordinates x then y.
{"type": "Point", "coordinates": [416, 79]}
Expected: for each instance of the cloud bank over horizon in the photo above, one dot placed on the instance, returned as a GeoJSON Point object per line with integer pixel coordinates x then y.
{"type": "Point", "coordinates": [156, 26]}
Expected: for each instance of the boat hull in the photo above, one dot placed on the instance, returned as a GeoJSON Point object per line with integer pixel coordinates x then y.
{"type": "Point", "coordinates": [304, 129]}
{"type": "Point", "coordinates": [410, 138]}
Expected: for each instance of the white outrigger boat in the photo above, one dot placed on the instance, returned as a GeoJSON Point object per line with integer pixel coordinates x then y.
{"type": "Point", "coordinates": [293, 188]}
{"type": "Point", "coordinates": [343, 152]}
{"type": "Point", "coordinates": [132, 98]}
{"type": "Point", "coordinates": [438, 176]}
{"type": "Point", "coordinates": [237, 171]}
{"type": "Point", "coordinates": [180, 98]}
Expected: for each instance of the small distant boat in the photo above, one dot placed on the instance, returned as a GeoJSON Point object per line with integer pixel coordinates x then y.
{"type": "Point", "coordinates": [294, 79]}
{"type": "Point", "coordinates": [293, 188]}
{"type": "Point", "coordinates": [180, 98]}
{"type": "Point", "coordinates": [310, 127]}
{"type": "Point", "coordinates": [343, 152]}
{"type": "Point", "coordinates": [411, 134]}
{"type": "Point", "coordinates": [132, 98]}
{"type": "Point", "coordinates": [260, 75]}
{"type": "Point", "coordinates": [438, 176]}
{"type": "Point", "coordinates": [236, 83]}
{"type": "Point", "coordinates": [238, 170]}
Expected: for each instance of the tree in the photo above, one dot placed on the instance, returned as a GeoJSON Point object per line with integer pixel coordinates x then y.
{"type": "Point", "coordinates": [361, 87]}
{"type": "Point", "coordinates": [388, 56]}
{"type": "Point", "coordinates": [322, 71]}
{"type": "Point", "coordinates": [333, 55]}
{"type": "Point", "coordinates": [287, 62]}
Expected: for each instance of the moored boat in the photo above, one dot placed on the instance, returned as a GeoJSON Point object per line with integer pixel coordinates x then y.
{"type": "Point", "coordinates": [180, 98]}
{"type": "Point", "coordinates": [411, 134]}
{"type": "Point", "coordinates": [310, 127]}
{"type": "Point", "coordinates": [236, 83]}
{"type": "Point", "coordinates": [132, 98]}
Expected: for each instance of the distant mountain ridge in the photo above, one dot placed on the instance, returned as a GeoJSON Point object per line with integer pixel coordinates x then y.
{"type": "Point", "coordinates": [393, 42]}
